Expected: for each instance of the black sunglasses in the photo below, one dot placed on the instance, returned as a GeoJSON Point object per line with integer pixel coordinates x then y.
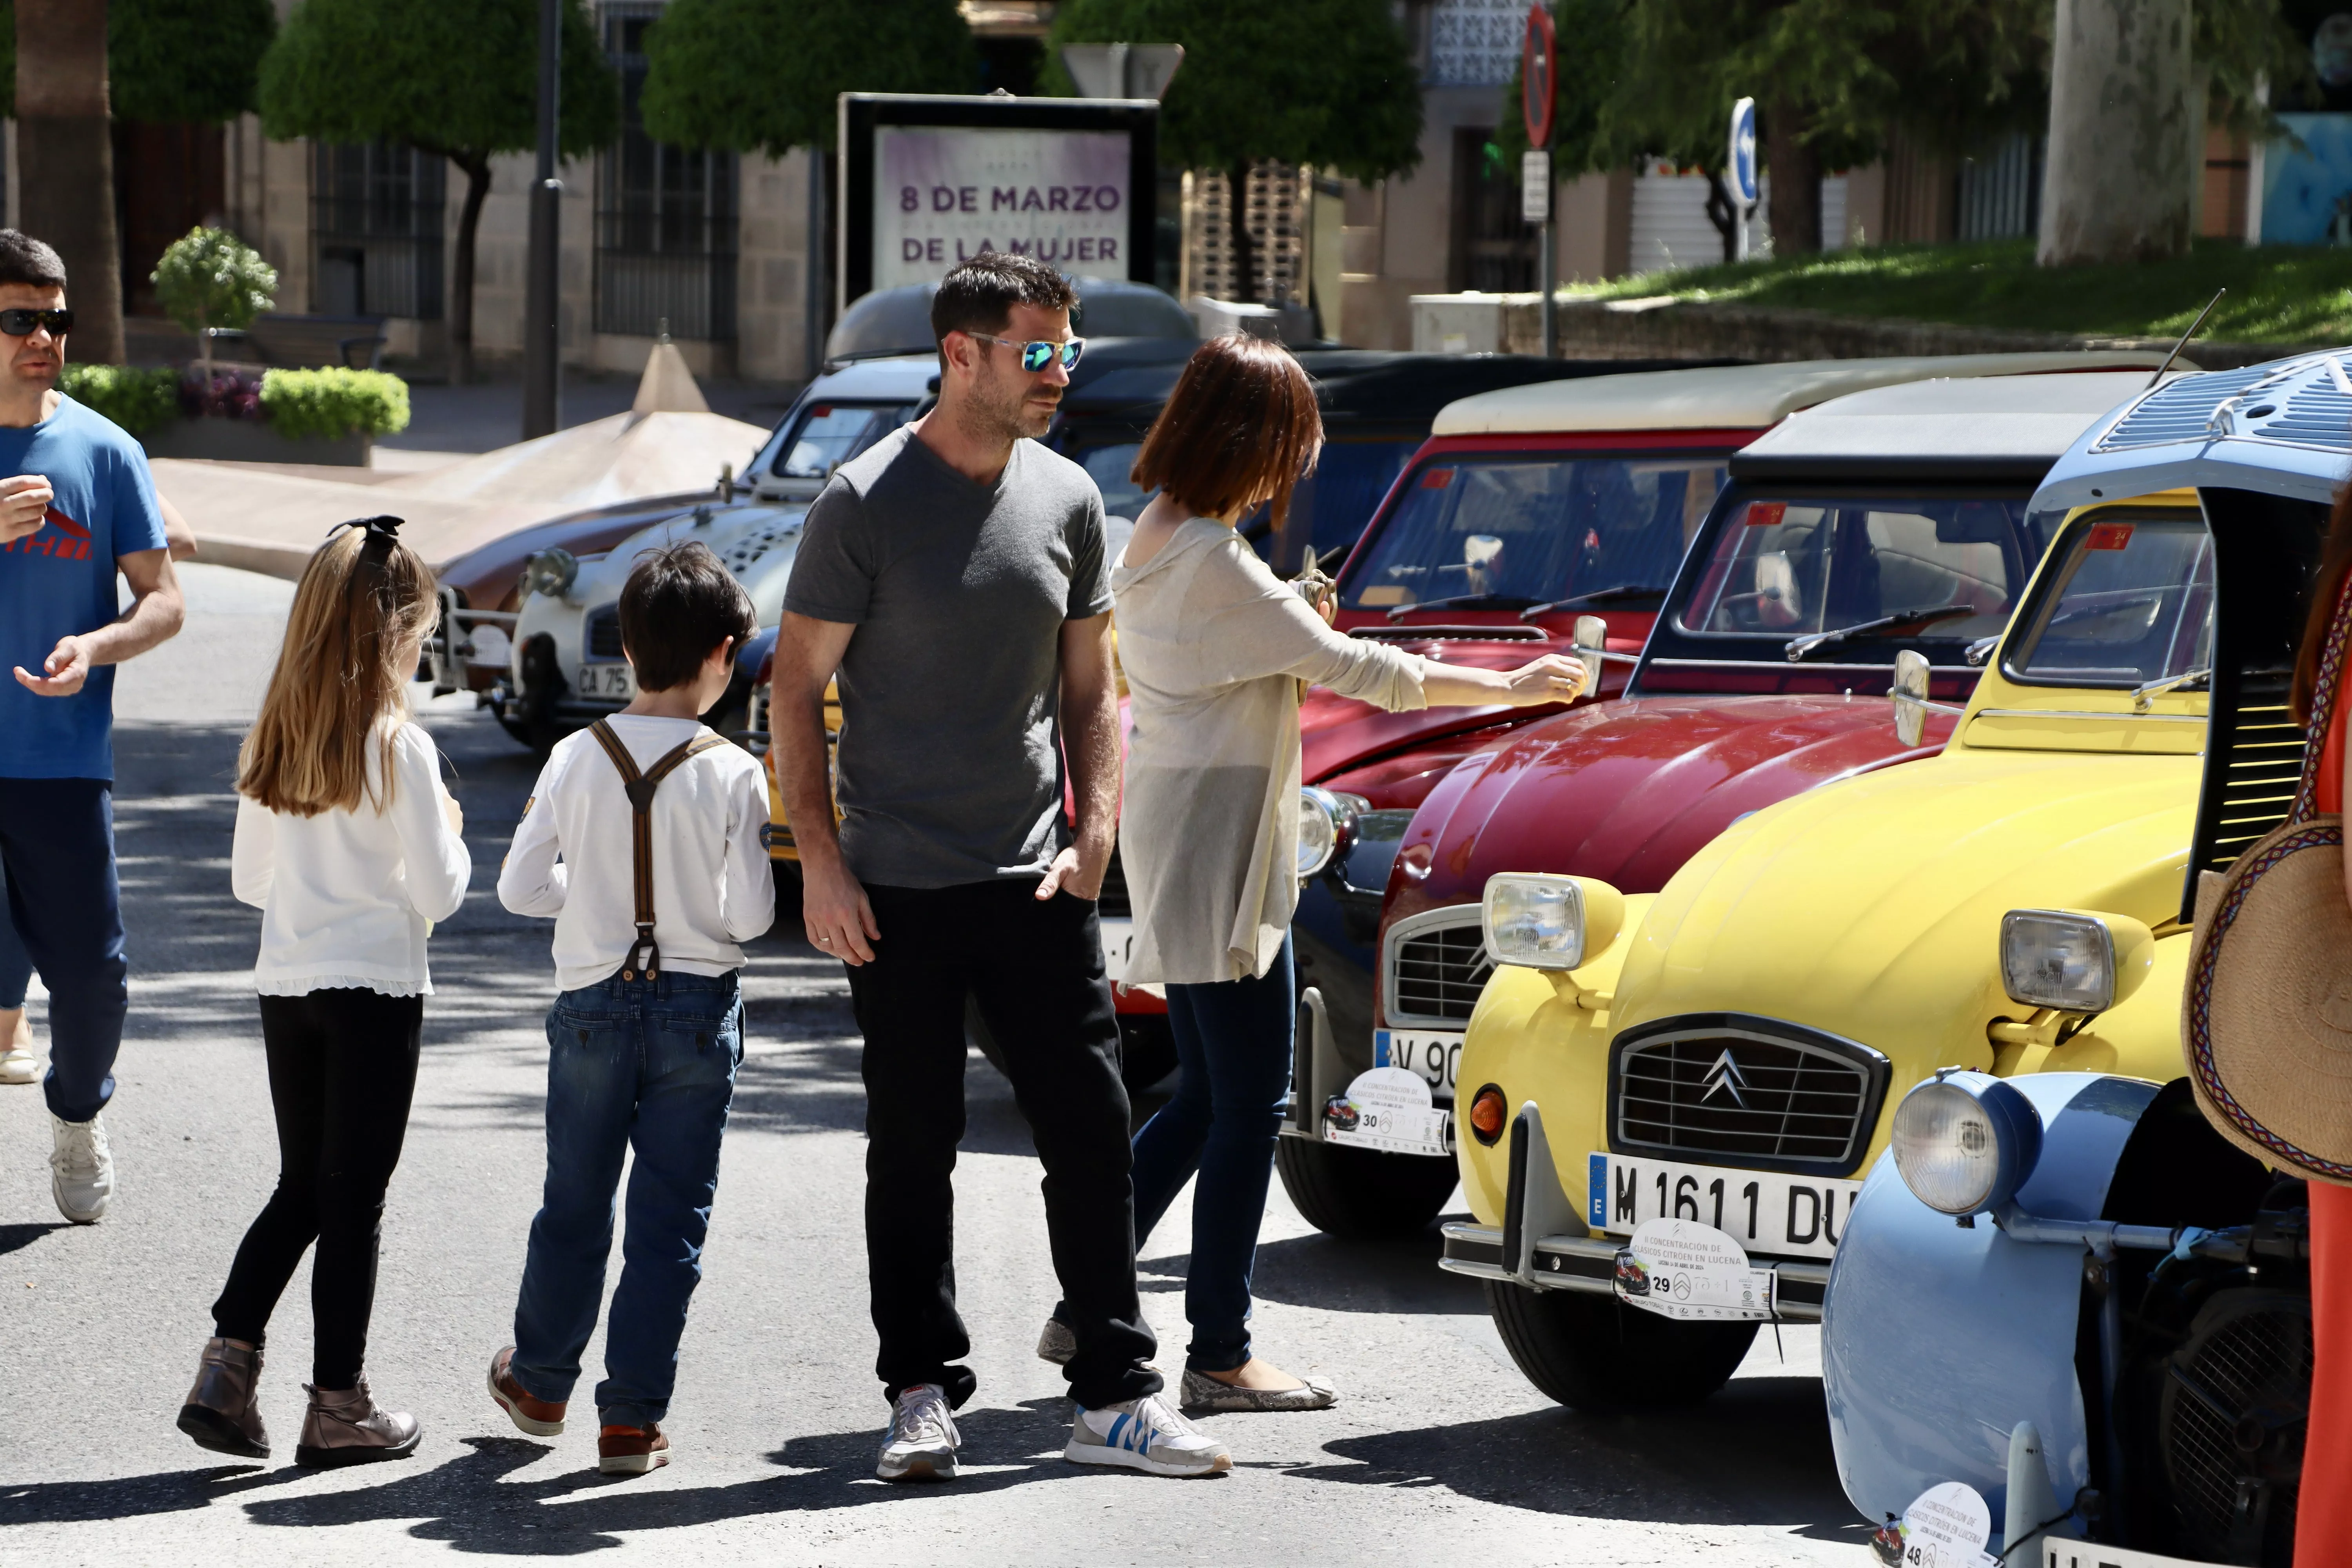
{"type": "Point", "coordinates": [20, 323]}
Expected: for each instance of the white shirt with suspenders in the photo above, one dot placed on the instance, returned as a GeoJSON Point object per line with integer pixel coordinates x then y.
{"type": "Point", "coordinates": [573, 854]}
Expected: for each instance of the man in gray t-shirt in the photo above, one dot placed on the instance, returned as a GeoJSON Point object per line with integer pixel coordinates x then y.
{"type": "Point", "coordinates": [951, 685]}
{"type": "Point", "coordinates": [952, 579]}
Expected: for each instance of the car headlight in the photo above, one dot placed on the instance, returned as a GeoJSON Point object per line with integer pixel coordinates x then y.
{"type": "Point", "coordinates": [1326, 826]}
{"type": "Point", "coordinates": [552, 572]}
{"type": "Point", "coordinates": [2072, 961]}
{"type": "Point", "coordinates": [1965, 1142]}
{"type": "Point", "coordinates": [1542, 921]}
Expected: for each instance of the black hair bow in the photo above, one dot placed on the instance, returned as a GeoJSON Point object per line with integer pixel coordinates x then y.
{"type": "Point", "coordinates": [383, 534]}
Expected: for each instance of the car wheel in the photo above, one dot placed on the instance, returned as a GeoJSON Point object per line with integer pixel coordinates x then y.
{"type": "Point", "coordinates": [1591, 1352]}
{"type": "Point", "coordinates": [1361, 1192]}
{"type": "Point", "coordinates": [1141, 1062]}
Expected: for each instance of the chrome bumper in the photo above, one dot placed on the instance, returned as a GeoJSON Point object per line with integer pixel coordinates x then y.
{"type": "Point", "coordinates": [1543, 1242]}
{"type": "Point", "coordinates": [1589, 1263]}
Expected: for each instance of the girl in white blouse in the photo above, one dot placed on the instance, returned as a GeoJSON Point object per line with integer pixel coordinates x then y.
{"type": "Point", "coordinates": [350, 845]}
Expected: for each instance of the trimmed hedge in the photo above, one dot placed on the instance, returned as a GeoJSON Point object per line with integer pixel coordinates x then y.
{"type": "Point", "coordinates": [334, 402]}
{"type": "Point", "coordinates": [297, 403]}
{"type": "Point", "coordinates": [138, 400]}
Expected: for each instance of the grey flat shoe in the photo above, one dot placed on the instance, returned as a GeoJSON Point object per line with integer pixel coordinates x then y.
{"type": "Point", "coordinates": [1204, 1393]}
{"type": "Point", "coordinates": [1057, 1343]}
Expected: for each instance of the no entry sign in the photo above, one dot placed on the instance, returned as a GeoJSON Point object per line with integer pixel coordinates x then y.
{"type": "Point", "coordinates": [1537, 67]}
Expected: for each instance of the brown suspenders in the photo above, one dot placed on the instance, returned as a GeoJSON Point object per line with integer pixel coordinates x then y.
{"type": "Point", "coordinates": [640, 788]}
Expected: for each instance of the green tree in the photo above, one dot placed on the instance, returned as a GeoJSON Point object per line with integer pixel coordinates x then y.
{"type": "Point", "coordinates": [208, 278]}
{"type": "Point", "coordinates": [763, 75]}
{"type": "Point", "coordinates": [169, 61]}
{"type": "Point", "coordinates": [458, 79]}
{"type": "Point", "coordinates": [1326, 82]}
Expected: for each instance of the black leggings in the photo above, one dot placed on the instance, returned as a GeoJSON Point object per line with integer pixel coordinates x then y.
{"type": "Point", "coordinates": [342, 1066]}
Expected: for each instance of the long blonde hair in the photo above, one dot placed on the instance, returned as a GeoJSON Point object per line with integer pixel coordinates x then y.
{"type": "Point", "coordinates": [364, 605]}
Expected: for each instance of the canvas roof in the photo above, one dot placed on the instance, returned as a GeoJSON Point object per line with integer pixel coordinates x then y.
{"type": "Point", "coordinates": [1993, 428]}
{"type": "Point", "coordinates": [1735, 397]}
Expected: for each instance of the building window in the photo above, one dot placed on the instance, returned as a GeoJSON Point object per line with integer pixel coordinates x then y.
{"type": "Point", "coordinates": [377, 226]}
{"type": "Point", "coordinates": [665, 216]}
{"type": "Point", "coordinates": [1494, 252]}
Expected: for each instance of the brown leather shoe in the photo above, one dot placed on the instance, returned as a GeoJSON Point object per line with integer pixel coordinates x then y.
{"type": "Point", "coordinates": [221, 1412]}
{"type": "Point", "coordinates": [632, 1450]}
{"type": "Point", "coordinates": [346, 1427]}
{"type": "Point", "coordinates": [540, 1417]}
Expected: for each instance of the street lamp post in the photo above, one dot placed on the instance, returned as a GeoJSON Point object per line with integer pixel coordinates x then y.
{"type": "Point", "coordinates": [543, 407]}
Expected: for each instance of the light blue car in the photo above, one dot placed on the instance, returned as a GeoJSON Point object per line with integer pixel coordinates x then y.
{"type": "Point", "coordinates": [2063, 1292]}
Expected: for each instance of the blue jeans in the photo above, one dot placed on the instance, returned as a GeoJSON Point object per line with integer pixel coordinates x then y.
{"type": "Point", "coordinates": [57, 843]}
{"type": "Point", "coordinates": [1233, 1044]}
{"type": "Point", "coordinates": [642, 1064]}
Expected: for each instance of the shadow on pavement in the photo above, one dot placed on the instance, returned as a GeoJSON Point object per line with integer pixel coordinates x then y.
{"type": "Point", "coordinates": [1755, 1454]}
{"type": "Point", "coordinates": [132, 1497]}
{"type": "Point", "coordinates": [14, 1237]}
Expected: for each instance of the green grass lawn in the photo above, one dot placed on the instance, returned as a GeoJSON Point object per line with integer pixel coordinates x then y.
{"type": "Point", "coordinates": [2278, 294]}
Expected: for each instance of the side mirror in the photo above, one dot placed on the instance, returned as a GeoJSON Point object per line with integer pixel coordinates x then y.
{"type": "Point", "coordinates": [1910, 697]}
{"type": "Point", "coordinates": [1591, 636]}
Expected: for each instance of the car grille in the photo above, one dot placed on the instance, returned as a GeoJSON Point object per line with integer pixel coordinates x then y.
{"type": "Point", "coordinates": [601, 637]}
{"type": "Point", "coordinates": [1437, 964]}
{"type": "Point", "coordinates": [1745, 1092]}
{"type": "Point", "coordinates": [1113, 900]}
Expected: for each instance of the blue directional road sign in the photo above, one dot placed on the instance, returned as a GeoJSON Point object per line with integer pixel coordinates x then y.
{"type": "Point", "coordinates": [1743, 151]}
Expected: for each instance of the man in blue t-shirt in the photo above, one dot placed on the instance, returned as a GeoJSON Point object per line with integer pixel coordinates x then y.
{"type": "Point", "coordinates": [80, 508]}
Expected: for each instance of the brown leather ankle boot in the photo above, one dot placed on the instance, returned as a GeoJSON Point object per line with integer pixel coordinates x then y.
{"type": "Point", "coordinates": [346, 1426]}
{"type": "Point", "coordinates": [221, 1412]}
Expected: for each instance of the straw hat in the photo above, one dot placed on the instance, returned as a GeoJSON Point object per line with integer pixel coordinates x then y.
{"type": "Point", "coordinates": [2266, 1016]}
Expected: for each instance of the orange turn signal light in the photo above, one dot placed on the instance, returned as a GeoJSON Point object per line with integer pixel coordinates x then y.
{"type": "Point", "coordinates": [1487, 1115]}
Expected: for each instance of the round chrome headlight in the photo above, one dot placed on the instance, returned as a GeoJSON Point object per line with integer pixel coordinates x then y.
{"type": "Point", "coordinates": [551, 572]}
{"type": "Point", "coordinates": [1966, 1142]}
{"type": "Point", "coordinates": [1326, 826]}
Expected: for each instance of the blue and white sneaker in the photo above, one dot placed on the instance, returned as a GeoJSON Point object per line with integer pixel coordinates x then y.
{"type": "Point", "coordinates": [922, 1441]}
{"type": "Point", "coordinates": [1145, 1435]}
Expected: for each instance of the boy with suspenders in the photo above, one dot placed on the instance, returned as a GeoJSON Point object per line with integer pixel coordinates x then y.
{"type": "Point", "coordinates": [662, 829]}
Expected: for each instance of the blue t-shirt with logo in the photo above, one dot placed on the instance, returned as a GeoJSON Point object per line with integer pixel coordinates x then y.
{"type": "Point", "coordinates": [59, 581]}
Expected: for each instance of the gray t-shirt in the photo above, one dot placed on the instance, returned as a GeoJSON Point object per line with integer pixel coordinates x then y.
{"type": "Point", "coordinates": [949, 768]}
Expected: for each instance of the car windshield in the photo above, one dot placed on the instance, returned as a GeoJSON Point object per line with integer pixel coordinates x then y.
{"type": "Point", "coordinates": [830, 434]}
{"type": "Point", "coordinates": [1788, 568]}
{"type": "Point", "coordinates": [1514, 531]}
{"type": "Point", "coordinates": [2133, 603]}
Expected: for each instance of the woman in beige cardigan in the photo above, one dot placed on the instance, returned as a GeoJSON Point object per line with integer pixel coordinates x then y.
{"type": "Point", "coordinates": [1217, 651]}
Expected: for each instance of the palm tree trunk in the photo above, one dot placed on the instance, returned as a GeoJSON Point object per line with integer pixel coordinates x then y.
{"type": "Point", "coordinates": [1237, 226]}
{"type": "Point", "coordinates": [476, 167]}
{"type": "Point", "coordinates": [65, 158]}
{"type": "Point", "coordinates": [1796, 205]}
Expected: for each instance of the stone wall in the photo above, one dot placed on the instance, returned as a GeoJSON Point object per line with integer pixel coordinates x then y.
{"type": "Point", "coordinates": [1665, 327]}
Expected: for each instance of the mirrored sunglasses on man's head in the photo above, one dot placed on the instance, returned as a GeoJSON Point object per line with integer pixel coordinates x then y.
{"type": "Point", "coordinates": [1036, 356]}
{"type": "Point", "coordinates": [20, 323]}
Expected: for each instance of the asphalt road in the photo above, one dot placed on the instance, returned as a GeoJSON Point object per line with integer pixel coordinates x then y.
{"type": "Point", "coordinates": [1440, 1452]}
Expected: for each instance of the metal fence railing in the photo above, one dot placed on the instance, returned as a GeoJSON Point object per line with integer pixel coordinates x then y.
{"type": "Point", "coordinates": [2000, 190]}
{"type": "Point", "coordinates": [665, 217]}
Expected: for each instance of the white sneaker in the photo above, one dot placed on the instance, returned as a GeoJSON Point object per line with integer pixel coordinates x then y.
{"type": "Point", "coordinates": [81, 1169]}
{"type": "Point", "coordinates": [18, 1065]}
{"type": "Point", "coordinates": [922, 1441]}
{"type": "Point", "coordinates": [1145, 1435]}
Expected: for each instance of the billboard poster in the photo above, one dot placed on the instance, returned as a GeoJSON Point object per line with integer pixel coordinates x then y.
{"type": "Point", "coordinates": [943, 195]}
{"type": "Point", "coordinates": [930, 181]}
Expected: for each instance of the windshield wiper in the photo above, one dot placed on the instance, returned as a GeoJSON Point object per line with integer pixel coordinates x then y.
{"type": "Point", "coordinates": [2140, 694]}
{"type": "Point", "coordinates": [1798, 647]}
{"type": "Point", "coordinates": [1598, 596]}
{"type": "Point", "coordinates": [1463, 601]}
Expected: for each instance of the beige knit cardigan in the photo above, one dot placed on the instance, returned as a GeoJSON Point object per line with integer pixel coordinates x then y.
{"type": "Point", "coordinates": [1214, 646]}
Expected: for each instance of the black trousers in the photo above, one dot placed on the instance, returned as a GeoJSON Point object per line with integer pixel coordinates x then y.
{"type": "Point", "coordinates": [342, 1067]}
{"type": "Point", "coordinates": [1036, 971]}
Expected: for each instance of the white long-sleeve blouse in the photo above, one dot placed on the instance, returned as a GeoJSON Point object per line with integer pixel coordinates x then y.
{"type": "Point", "coordinates": [346, 897]}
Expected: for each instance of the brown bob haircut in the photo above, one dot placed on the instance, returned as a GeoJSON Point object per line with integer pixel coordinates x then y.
{"type": "Point", "coordinates": [1241, 427]}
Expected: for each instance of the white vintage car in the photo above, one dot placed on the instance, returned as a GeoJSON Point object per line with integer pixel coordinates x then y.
{"type": "Point", "coordinates": [567, 668]}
